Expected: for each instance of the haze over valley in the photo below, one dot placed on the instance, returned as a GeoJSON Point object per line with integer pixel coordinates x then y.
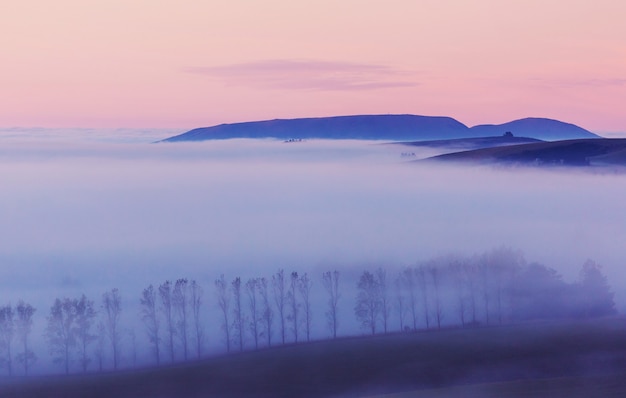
{"type": "Point", "coordinates": [312, 199]}
{"type": "Point", "coordinates": [86, 216]}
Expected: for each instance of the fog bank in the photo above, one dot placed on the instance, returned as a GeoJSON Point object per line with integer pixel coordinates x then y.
{"type": "Point", "coordinates": [83, 216]}
{"type": "Point", "coordinates": [208, 206]}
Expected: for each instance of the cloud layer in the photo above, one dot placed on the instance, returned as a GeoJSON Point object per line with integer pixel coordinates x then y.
{"type": "Point", "coordinates": [83, 217]}
{"type": "Point", "coordinates": [308, 75]}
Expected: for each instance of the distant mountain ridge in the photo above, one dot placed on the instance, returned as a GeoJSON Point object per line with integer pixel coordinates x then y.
{"type": "Point", "coordinates": [550, 129]}
{"type": "Point", "coordinates": [383, 127]}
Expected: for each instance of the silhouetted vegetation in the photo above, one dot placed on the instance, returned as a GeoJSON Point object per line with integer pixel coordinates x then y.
{"type": "Point", "coordinates": [112, 306]}
{"type": "Point", "coordinates": [7, 332]}
{"type": "Point", "coordinates": [446, 293]}
{"type": "Point", "coordinates": [23, 325]}
{"type": "Point", "coordinates": [330, 280]}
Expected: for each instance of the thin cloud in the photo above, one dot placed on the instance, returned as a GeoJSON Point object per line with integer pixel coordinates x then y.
{"type": "Point", "coordinates": [581, 82]}
{"type": "Point", "coordinates": [308, 75]}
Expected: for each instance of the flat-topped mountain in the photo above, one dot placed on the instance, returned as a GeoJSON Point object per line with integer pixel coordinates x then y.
{"type": "Point", "coordinates": [365, 127]}
{"type": "Point", "coordinates": [381, 127]}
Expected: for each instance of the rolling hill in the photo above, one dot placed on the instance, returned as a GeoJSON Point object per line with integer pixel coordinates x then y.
{"type": "Point", "coordinates": [381, 127]}
{"type": "Point", "coordinates": [552, 359]}
{"type": "Point", "coordinates": [545, 129]}
{"type": "Point", "coordinates": [466, 144]}
{"type": "Point", "coordinates": [580, 152]}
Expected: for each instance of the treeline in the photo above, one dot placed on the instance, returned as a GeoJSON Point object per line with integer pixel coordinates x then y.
{"type": "Point", "coordinates": [494, 287]}
{"type": "Point", "coordinates": [491, 288]}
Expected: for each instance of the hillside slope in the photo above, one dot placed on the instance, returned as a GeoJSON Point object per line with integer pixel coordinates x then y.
{"type": "Point", "coordinates": [581, 152]}
{"type": "Point", "coordinates": [467, 144]}
{"type": "Point", "coordinates": [373, 365]}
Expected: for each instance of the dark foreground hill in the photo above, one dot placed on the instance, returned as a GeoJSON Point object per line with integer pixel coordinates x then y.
{"type": "Point", "coordinates": [584, 152]}
{"type": "Point", "coordinates": [466, 144]}
{"type": "Point", "coordinates": [380, 127]}
{"type": "Point", "coordinates": [567, 358]}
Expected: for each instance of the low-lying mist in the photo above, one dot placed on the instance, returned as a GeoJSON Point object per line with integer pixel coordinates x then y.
{"type": "Point", "coordinates": [87, 215]}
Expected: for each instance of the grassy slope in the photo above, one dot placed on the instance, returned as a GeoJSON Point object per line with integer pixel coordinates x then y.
{"type": "Point", "coordinates": [605, 386]}
{"type": "Point", "coordinates": [568, 152]}
{"type": "Point", "coordinates": [577, 351]}
{"type": "Point", "coordinates": [472, 143]}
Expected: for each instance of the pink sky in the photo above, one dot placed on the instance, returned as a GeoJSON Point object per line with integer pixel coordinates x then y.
{"type": "Point", "coordinates": [184, 64]}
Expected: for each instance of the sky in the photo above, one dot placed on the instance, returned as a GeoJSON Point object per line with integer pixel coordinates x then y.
{"type": "Point", "coordinates": [173, 64]}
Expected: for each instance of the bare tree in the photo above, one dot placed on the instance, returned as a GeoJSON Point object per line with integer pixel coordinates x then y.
{"type": "Point", "coordinates": [485, 286]}
{"type": "Point", "coordinates": [7, 331]}
{"type": "Point", "coordinates": [471, 275]}
{"type": "Point", "coordinates": [150, 318]}
{"type": "Point", "coordinates": [456, 269]}
{"type": "Point", "coordinates": [422, 281]}
{"type": "Point", "coordinates": [292, 298]}
{"type": "Point", "coordinates": [238, 321]}
{"type": "Point", "coordinates": [267, 314]}
{"type": "Point", "coordinates": [540, 293]}
{"type": "Point", "coordinates": [401, 301]}
{"type": "Point", "coordinates": [436, 278]}
{"type": "Point", "coordinates": [195, 298]}
{"type": "Point", "coordinates": [279, 288]}
{"type": "Point", "coordinates": [223, 302]}
{"type": "Point", "coordinates": [23, 325]}
{"type": "Point", "coordinates": [304, 286]}
{"type": "Point", "coordinates": [100, 343]}
{"type": "Point", "coordinates": [409, 283]}
{"type": "Point", "coordinates": [167, 307]}
{"type": "Point", "coordinates": [496, 269]}
{"type": "Point", "coordinates": [596, 295]}
{"type": "Point", "coordinates": [85, 316]}
{"type": "Point", "coordinates": [330, 280]}
{"type": "Point", "coordinates": [179, 302]}
{"type": "Point", "coordinates": [368, 303]}
{"type": "Point", "coordinates": [60, 331]}
{"type": "Point", "coordinates": [383, 291]}
{"type": "Point", "coordinates": [112, 303]}
{"type": "Point", "coordinates": [133, 344]}
{"type": "Point", "coordinates": [504, 263]}
{"type": "Point", "coordinates": [252, 287]}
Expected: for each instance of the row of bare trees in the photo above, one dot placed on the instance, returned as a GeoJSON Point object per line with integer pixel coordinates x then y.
{"type": "Point", "coordinates": [70, 330]}
{"type": "Point", "coordinates": [493, 287]}
{"type": "Point", "coordinates": [79, 331]}
{"type": "Point", "coordinates": [177, 305]}
{"type": "Point", "coordinates": [254, 306]}
{"type": "Point", "coordinates": [16, 324]}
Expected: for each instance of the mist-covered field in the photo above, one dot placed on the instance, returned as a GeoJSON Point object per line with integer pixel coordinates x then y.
{"type": "Point", "coordinates": [85, 211]}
